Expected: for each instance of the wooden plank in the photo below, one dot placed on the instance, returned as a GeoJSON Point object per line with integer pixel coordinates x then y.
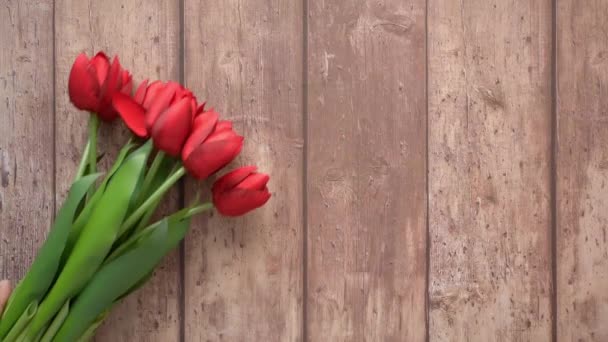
{"type": "Point", "coordinates": [26, 133]}
{"type": "Point", "coordinates": [489, 160]}
{"type": "Point", "coordinates": [243, 278]}
{"type": "Point", "coordinates": [582, 160]}
{"type": "Point", "coordinates": [145, 35]}
{"type": "Point", "coordinates": [366, 171]}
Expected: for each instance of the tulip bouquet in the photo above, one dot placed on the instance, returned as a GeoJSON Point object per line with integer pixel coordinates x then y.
{"type": "Point", "coordinates": [103, 244]}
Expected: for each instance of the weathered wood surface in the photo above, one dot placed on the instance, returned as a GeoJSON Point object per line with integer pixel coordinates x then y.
{"type": "Point", "coordinates": [332, 97]}
{"type": "Point", "coordinates": [145, 34]}
{"type": "Point", "coordinates": [366, 171]}
{"type": "Point", "coordinates": [243, 277]}
{"type": "Point", "coordinates": [26, 133]}
{"type": "Point", "coordinates": [582, 173]}
{"type": "Point", "coordinates": [490, 163]}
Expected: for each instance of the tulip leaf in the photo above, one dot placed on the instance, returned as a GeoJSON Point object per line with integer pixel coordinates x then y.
{"type": "Point", "coordinates": [42, 272]}
{"type": "Point", "coordinates": [96, 239]}
{"type": "Point", "coordinates": [85, 214]}
{"type": "Point", "coordinates": [111, 281]}
{"type": "Point", "coordinates": [56, 324]}
{"type": "Point", "coordinates": [122, 276]}
{"type": "Point", "coordinates": [139, 235]}
{"type": "Point", "coordinates": [164, 170]}
{"type": "Point", "coordinates": [88, 335]}
{"type": "Point", "coordinates": [15, 331]}
{"type": "Point", "coordinates": [177, 232]}
{"type": "Point", "coordinates": [178, 228]}
{"type": "Point", "coordinates": [137, 285]}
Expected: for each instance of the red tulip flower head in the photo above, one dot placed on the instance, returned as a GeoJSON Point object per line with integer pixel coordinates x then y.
{"type": "Point", "coordinates": [211, 145]}
{"type": "Point", "coordinates": [163, 111]}
{"type": "Point", "coordinates": [93, 82]}
{"type": "Point", "coordinates": [240, 191]}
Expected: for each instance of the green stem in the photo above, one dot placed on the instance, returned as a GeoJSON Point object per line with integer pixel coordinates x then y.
{"type": "Point", "coordinates": [22, 322]}
{"type": "Point", "coordinates": [180, 215]}
{"type": "Point", "coordinates": [152, 208]}
{"type": "Point", "coordinates": [125, 245]}
{"type": "Point", "coordinates": [146, 218]}
{"type": "Point", "coordinates": [92, 155]}
{"type": "Point", "coordinates": [83, 162]}
{"type": "Point", "coordinates": [158, 160]}
{"type": "Point", "coordinates": [159, 193]}
{"type": "Point", "coordinates": [56, 324]}
{"type": "Point", "coordinates": [198, 209]}
{"type": "Point", "coordinates": [93, 128]}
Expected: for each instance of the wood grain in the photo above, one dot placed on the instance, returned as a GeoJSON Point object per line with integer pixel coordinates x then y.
{"type": "Point", "coordinates": [489, 161]}
{"type": "Point", "coordinates": [145, 35]}
{"type": "Point", "coordinates": [364, 65]}
{"type": "Point", "coordinates": [26, 133]}
{"type": "Point", "coordinates": [582, 250]}
{"type": "Point", "coordinates": [243, 278]}
{"type": "Point", "coordinates": [366, 171]}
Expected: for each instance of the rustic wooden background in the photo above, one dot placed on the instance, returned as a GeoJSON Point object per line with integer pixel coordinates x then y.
{"type": "Point", "coordinates": [439, 166]}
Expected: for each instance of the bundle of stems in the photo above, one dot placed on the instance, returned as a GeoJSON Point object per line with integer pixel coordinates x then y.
{"type": "Point", "coordinates": [103, 244]}
{"type": "Point", "coordinates": [101, 247]}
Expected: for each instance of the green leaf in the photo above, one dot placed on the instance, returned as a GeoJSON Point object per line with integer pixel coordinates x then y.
{"type": "Point", "coordinates": [15, 331]}
{"type": "Point", "coordinates": [111, 281]}
{"type": "Point", "coordinates": [42, 272]}
{"type": "Point", "coordinates": [96, 239]}
{"type": "Point", "coordinates": [88, 335]}
{"type": "Point", "coordinates": [57, 322]}
{"type": "Point", "coordinates": [137, 285]}
{"type": "Point", "coordinates": [84, 216]}
{"type": "Point", "coordinates": [122, 276]}
{"type": "Point", "coordinates": [163, 172]}
{"type": "Point", "coordinates": [137, 236]}
{"type": "Point", "coordinates": [178, 227]}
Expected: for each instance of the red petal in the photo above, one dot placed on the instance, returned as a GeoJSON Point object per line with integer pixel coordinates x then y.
{"type": "Point", "coordinates": [232, 178]}
{"type": "Point", "coordinates": [255, 181]}
{"type": "Point", "coordinates": [201, 109]}
{"type": "Point", "coordinates": [132, 114]}
{"type": "Point", "coordinates": [181, 91]}
{"type": "Point", "coordinates": [194, 105]}
{"type": "Point", "coordinates": [222, 135]}
{"type": "Point", "coordinates": [210, 157]}
{"type": "Point", "coordinates": [224, 125]}
{"type": "Point", "coordinates": [172, 128]}
{"type": "Point", "coordinates": [112, 84]}
{"type": "Point", "coordinates": [203, 120]}
{"type": "Point", "coordinates": [102, 65]}
{"type": "Point", "coordinates": [140, 93]}
{"type": "Point", "coordinates": [203, 126]}
{"type": "Point", "coordinates": [82, 85]}
{"type": "Point", "coordinates": [127, 83]}
{"type": "Point", "coordinates": [114, 79]}
{"type": "Point", "coordinates": [153, 89]}
{"type": "Point", "coordinates": [240, 202]}
{"type": "Point", "coordinates": [160, 102]}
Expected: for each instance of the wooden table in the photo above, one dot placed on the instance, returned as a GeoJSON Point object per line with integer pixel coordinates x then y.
{"type": "Point", "coordinates": [439, 167]}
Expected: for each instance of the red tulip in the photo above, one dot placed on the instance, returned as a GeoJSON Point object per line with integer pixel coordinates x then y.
{"type": "Point", "coordinates": [240, 191]}
{"type": "Point", "coordinates": [211, 145]}
{"type": "Point", "coordinates": [93, 83]}
{"type": "Point", "coordinates": [162, 110]}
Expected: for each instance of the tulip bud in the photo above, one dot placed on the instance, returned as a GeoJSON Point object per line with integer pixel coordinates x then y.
{"type": "Point", "coordinates": [240, 191]}
{"type": "Point", "coordinates": [172, 127]}
{"type": "Point", "coordinates": [211, 145]}
{"type": "Point", "coordinates": [164, 111]}
{"type": "Point", "coordinates": [132, 113]}
{"type": "Point", "coordinates": [93, 83]}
